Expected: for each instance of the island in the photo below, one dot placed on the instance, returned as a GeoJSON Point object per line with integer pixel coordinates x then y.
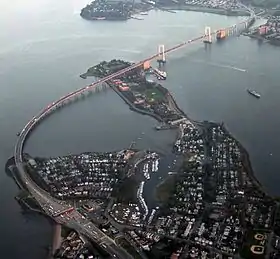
{"type": "Point", "coordinates": [123, 10]}
{"type": "Point", "coordinates": [113, 10]}
{"type": "Point", "coordinates": [209, 204]}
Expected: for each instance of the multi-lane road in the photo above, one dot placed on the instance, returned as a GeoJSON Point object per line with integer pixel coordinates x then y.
{"type": "Point", "coordinates": [53, 206]}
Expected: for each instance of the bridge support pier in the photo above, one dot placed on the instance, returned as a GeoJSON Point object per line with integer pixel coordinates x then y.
{"type": "Point", "coordinates": [104, 86]}
{"type": "Point", "coordinates": [96, 89]}
{"type": "Point", "coordinates": [234, 29]}
{"type": "Point", "coordinates": [208, 35]}
{"type": "Point", "coordinates": [161, 55]}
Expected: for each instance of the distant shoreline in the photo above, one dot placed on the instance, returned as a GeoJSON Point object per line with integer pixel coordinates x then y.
{"type": "Point", "coordinates": [196, 8]}
{"type": "Point", "coordinates": [185, 7]}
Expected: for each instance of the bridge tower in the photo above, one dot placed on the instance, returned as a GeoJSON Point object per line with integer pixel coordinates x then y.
{"type": "Point", "coordinates": [234, 29]}
{"type": "Point", "coordinates": [208, 35]}
{"type": "Point", "coordinates": [161, 54]}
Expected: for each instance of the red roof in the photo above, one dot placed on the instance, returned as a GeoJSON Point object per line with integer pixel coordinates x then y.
{"type": "Point", "coordinates": [174, 256]}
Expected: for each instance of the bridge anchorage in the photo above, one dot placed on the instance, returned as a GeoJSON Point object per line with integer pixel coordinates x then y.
{"type": "Point", "coordinates": [207, 35]}
{"type": "Point", "coordinates": [161, 55]}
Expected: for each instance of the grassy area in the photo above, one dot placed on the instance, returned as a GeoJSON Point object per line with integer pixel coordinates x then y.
{"type": "Point", "coordinates": [255, 241]}
{"type": "Point", "coordinates": [154, 95]}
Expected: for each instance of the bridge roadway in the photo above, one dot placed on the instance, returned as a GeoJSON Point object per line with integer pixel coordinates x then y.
{"type": "Point", "coordinates": [48, 203]}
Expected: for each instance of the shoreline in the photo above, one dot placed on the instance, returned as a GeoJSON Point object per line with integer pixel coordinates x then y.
{"type": "Point", "coordinates": [168, 8]}
{"type": "Point", "coordinates": [245, 160]}
{"type": "Point", "coordinates": [132, 107]}
{"type": "Point", "coordinates": [264, 40]}
{"type": "Point", "coordinates": [245, 157]}
{"type": "Point", "coordinates": [197, 8]}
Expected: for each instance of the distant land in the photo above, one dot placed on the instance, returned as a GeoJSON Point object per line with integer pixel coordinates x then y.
{"type": "Point", "coordinates": [123, 10]}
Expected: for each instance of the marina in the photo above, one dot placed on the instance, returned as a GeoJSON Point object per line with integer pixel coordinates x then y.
{"type": "Point", "coordinates": [195, 92]}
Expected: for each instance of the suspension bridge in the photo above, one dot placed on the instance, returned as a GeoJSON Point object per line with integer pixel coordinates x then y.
{"type": "Point", "coordinates": [52, 206]}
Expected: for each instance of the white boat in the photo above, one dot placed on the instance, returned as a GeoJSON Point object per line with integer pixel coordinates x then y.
{"type": "Point", "coordinates": [160, 74]}
{"type": "Point", "coordinates": [254, 93]}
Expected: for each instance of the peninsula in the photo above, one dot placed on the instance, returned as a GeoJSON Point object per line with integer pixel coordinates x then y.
{"type": "Point", "coordinates": [209, 205]}
{"type": "Point", "coordinates": [123, 10]}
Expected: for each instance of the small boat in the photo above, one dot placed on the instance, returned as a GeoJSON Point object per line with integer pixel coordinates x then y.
{"type": "Point", "coordinates": [254, 93]}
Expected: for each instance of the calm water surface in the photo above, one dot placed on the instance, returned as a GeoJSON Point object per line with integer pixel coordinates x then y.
{"type": "Point", "coordinates": [45, 45]}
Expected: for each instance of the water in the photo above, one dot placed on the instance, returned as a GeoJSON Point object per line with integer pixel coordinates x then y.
{"type": "Point", "coordinates": [219, 94]}
{"type": "Point", "coordinates": [45, 45]}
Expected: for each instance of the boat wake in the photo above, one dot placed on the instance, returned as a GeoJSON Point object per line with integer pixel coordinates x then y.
{"type": "Point", "coordinates": [220, 65]}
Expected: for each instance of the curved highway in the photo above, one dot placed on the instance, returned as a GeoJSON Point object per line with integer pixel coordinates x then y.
{"type": "Point", "coordinates": [53, 206]}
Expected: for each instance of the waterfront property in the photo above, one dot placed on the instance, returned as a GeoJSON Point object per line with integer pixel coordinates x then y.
{"type": "Point", "coordinates": [81, 178]}
{"type": "Point", "coordinates": [270, 31]}
{"type": "Point", "coordinates": [88, 175]}
{"type": "Point", "coordinates": [213, 200]}
{"type": "Point", "coordinates": [123, 10]}
{"type": "Point", "coordinates": [145, 96]}
{"type": "Point", "coordinates": [74, 246]}
{"type": "Point", "coordinates": [215, 6]}
{"type": "Point", "coordinates": [112, 10]}
{"type": "Point", "coordinates": [206, 207]}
